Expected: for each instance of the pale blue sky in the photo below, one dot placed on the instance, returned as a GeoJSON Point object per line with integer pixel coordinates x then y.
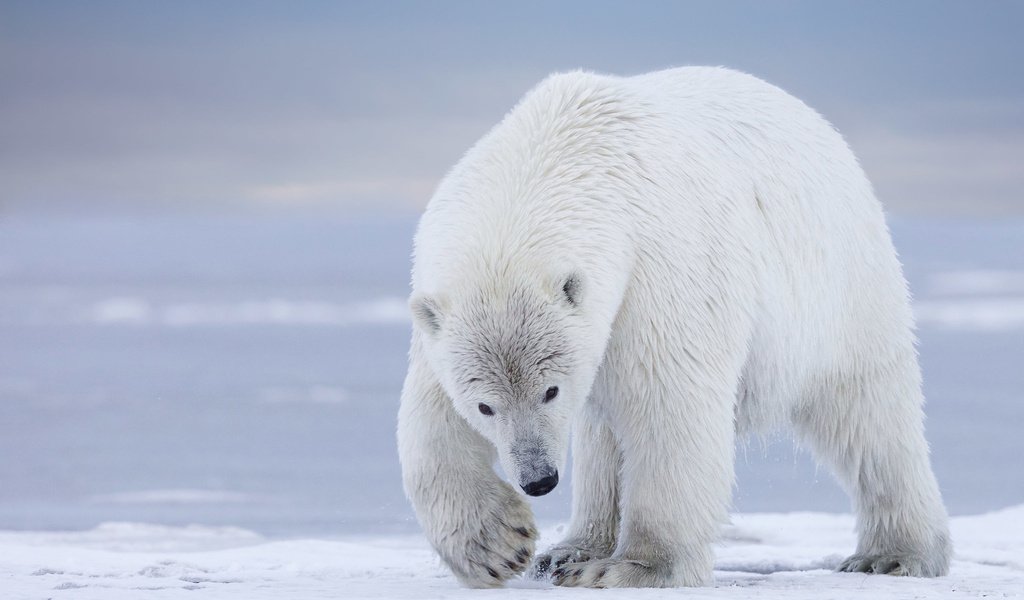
{"type": "Point", "coordinates": [113, 107]}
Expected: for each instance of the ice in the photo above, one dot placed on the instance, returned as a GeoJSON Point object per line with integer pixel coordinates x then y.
{"type": "Point", "coordinates": [977, 281]}
{"type": "Point", "coordinates": [123, 310]}
{"type": "Point", "coordinates": [180, 496]}
{"type": "Point", "coordinates": [991, 314]}
{"type": "Point", "coordinates": [274, 311]}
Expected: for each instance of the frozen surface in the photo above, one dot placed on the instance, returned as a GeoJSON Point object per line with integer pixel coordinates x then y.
{"type": "Point", "coordinates": [245, 373]}
{"type": "Point", "coordinates": [760, 556]}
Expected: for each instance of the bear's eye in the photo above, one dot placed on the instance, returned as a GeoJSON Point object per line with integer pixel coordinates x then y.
{"type": "Point", "coordinates": [551, 393]}
{"type": "Point", "coordinates": [484, 409]}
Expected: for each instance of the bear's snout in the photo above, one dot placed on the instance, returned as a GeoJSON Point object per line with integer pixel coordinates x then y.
{"type": "Point", "coordinates": [541, 486]}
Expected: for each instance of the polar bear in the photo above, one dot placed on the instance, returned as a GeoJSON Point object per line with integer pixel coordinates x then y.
{"type": "Point", "coordinates": [657, 263]}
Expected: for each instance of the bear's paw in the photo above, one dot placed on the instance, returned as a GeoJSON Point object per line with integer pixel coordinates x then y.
{"type": "Point", "coordinates": [899, 564]}
{"type": "Point", "coordinates": [565, 553]}
{"type": "Point", "coordinates": [613, 573]}
{"type": "Point", "coordinates": [485, 554]}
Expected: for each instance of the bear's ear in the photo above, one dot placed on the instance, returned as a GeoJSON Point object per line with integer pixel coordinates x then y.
{"type": "Point", "coordinates": [572, 289]}
{"type": "Point", "coordinates": [426, 312]}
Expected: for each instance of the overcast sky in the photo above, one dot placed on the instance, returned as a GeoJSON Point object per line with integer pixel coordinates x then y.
{"type": "Point", "coordinates": [109, 107]}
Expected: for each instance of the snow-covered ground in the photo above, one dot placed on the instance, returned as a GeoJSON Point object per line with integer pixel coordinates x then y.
{"type": "Point", "coordinates": [760, 556]}
{"type": "Point", "coordinates": [231, 385]}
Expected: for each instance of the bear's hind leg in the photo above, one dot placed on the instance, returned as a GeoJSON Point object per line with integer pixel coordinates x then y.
{"type": "Point", "coordinates": [869, 428]}
{"type": "Point", "coordinates": [595, 510]}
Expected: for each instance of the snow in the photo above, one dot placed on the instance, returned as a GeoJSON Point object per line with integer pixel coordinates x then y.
{"type": "Point", "coordinates": [760, 556]}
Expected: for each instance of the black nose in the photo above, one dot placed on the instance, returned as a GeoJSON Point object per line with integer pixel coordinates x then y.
{"type": "Point", "coordinates": [542, 486]}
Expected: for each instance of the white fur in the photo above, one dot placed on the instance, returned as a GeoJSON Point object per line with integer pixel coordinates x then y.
{"type": "Point", "coordinates": [733, 272]}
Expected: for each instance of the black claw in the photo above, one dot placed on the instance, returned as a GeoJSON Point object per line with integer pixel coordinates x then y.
{"type": "Point", "coordinates": [601, 573]}
{"type": "Point", "coordinates": [492, 572]}
{"type": "Point", "coordinates": [522, 531]}
{"type": "Point", "coordinates": [557, 573]}
{"type": "Point", "coordinates": [510, 565]}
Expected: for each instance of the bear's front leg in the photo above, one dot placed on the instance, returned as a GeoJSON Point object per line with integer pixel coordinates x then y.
{"type": "Point", "coordinates": [676, 439]}
{"type": "Point", "coordinates": [595, 512]}
{"type": "Point", "coordinates": [481, 528]}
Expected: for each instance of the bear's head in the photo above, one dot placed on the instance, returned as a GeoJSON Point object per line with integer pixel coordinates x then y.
{"type": "Point", "coordinates": [509, 358]}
